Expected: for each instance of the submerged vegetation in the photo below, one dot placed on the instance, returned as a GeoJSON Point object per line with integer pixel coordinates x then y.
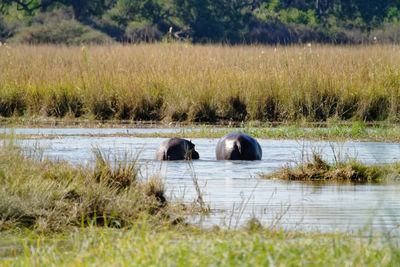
{"type": "Point", "coordinates": [205, 84]}
{"type": "Point", "coordinates": [341, 171]}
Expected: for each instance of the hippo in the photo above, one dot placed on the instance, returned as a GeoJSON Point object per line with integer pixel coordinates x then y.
{"type": "Point", "coordinates": [238, 146]}
{"type": "Point", "coordinates": [177, 149]}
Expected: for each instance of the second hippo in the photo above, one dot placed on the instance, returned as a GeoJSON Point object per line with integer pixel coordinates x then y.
{"type": "Point", "coordinates": [177, 149]}
{"type": "Point", "coordinates": [238, 146]}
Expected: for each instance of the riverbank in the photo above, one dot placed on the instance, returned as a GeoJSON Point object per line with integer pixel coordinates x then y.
{"type": "Point", "coordinates": [357, 131]}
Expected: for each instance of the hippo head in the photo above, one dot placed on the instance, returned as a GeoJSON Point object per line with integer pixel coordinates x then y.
{"type": "Point", "coordinates": [193, 154]}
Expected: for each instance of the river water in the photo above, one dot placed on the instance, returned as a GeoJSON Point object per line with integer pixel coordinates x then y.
{"type": "Point", "coordinates": [234, 191]}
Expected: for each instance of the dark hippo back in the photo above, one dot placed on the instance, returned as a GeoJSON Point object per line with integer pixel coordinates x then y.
{"type": "Point", "coordinates": [238, 146]}
{"type": "Point", "coordinates": [177, 149]}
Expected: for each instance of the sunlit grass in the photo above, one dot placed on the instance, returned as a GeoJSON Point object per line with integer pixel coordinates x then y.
{"type": "Point", "coordinates": [144, 246]}
{"type": "Point", "coordinates": [208, 83]}
{"type": "Point", "coordinates": [48, 196]}
{"type": "Point", "coordinates": [343, 171]}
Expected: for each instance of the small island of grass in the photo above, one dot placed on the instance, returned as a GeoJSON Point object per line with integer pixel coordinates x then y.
{"type": "Point", "coordinates": [341, 171]}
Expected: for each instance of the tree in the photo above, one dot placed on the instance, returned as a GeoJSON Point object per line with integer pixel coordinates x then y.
{"type": "Point", "coordinates": [80, 8]}
{"type": "Point", "coordinates": [211, 20]}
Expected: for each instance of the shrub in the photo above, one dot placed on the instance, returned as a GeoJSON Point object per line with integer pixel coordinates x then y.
{"type": "Point", "coordinates": [388, 33]}
{"type": "Point", "coordinates": [58, 29]}
{"type": "Point", "coordinates": [143, 31]}
{"type": "Point", "coordinates": [4, 30]}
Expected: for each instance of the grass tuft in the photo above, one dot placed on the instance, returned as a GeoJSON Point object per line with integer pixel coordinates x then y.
{"type": "Point", "coordinates": [236, 109]}
{"type": "Point", "coordinates": [319, 170]}
{"type": "Point", "coordinates": [120, 173]}
{"type": "Point", "coordinates": [53, 196]}
{"type": "Point", "coordinates": [63, 103]}
{"type": "Point", "coordinates": [150, 109]}
{"type": "Point", "coordinates": [204, 111]}
{"type": "Point", "coordinates": [12, 103]}
{"type": "Point", "coordinates": [105, 107]}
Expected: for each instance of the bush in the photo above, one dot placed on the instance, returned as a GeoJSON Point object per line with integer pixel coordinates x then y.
{"type": "Point", "coordinates": [137, 32]}
{"type": "Point", "coordinates": [388, 33]}
{"type": "Point", "coordinates": [291, 33]}
{"type": "Point", "coordinates": [58, 29]}
{"type": "Point", "coordinates": [4, 32]}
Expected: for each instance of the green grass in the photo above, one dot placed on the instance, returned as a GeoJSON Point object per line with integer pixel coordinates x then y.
{"type": "Point", "coordinates": [330, 131]}
{"type": "Point", "coordinates": [346, 170]}
{"type": "Point", "coordinates": [144, 245]}
{"type": "Point", "coordinates": [54, 196]}
{"type": "Point", "coordinates": [201, 83]}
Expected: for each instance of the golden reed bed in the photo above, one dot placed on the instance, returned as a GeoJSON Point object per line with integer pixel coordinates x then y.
{"type": "Point", "coordinates": [201, 83]}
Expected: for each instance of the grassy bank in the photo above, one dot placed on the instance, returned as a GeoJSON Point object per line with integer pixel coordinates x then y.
{"type": "Point", "coordinates": [55, 196]}
{"type": "Point", "coordinates": [181, 82]}
{"type": "Point", "coordinates": [330, 131]}
{"type": "Point", "coordinates": [143, 246]}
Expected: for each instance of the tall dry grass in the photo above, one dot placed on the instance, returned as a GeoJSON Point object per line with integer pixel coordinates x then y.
{"type": "Point", "coordinates": [202, 83]}
{"type": "Point", "coordinates": [55, 196]}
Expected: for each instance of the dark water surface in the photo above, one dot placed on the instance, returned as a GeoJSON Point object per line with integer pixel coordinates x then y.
{"type": "Point", "coordinates": [233, 189]}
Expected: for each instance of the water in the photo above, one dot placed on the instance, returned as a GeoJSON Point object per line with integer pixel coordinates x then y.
{"type": "Point", "coordinates": [233, 189]}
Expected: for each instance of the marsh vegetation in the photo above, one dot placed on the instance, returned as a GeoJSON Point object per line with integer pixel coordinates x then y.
{"type": "Point", "coordinates": [57, 213]}
{"type": "Point", "coordinates": [202, 84]}
{"type": "Point", "coordinates": [349, 170]}
{"type": "Point", "coordinates": [55, 196]}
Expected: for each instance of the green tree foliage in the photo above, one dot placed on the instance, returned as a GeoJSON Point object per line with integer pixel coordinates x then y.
{"type": "Point", "coordinates": [80, 7]}
{"type": "Point", "coordinates": [232, 21]}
